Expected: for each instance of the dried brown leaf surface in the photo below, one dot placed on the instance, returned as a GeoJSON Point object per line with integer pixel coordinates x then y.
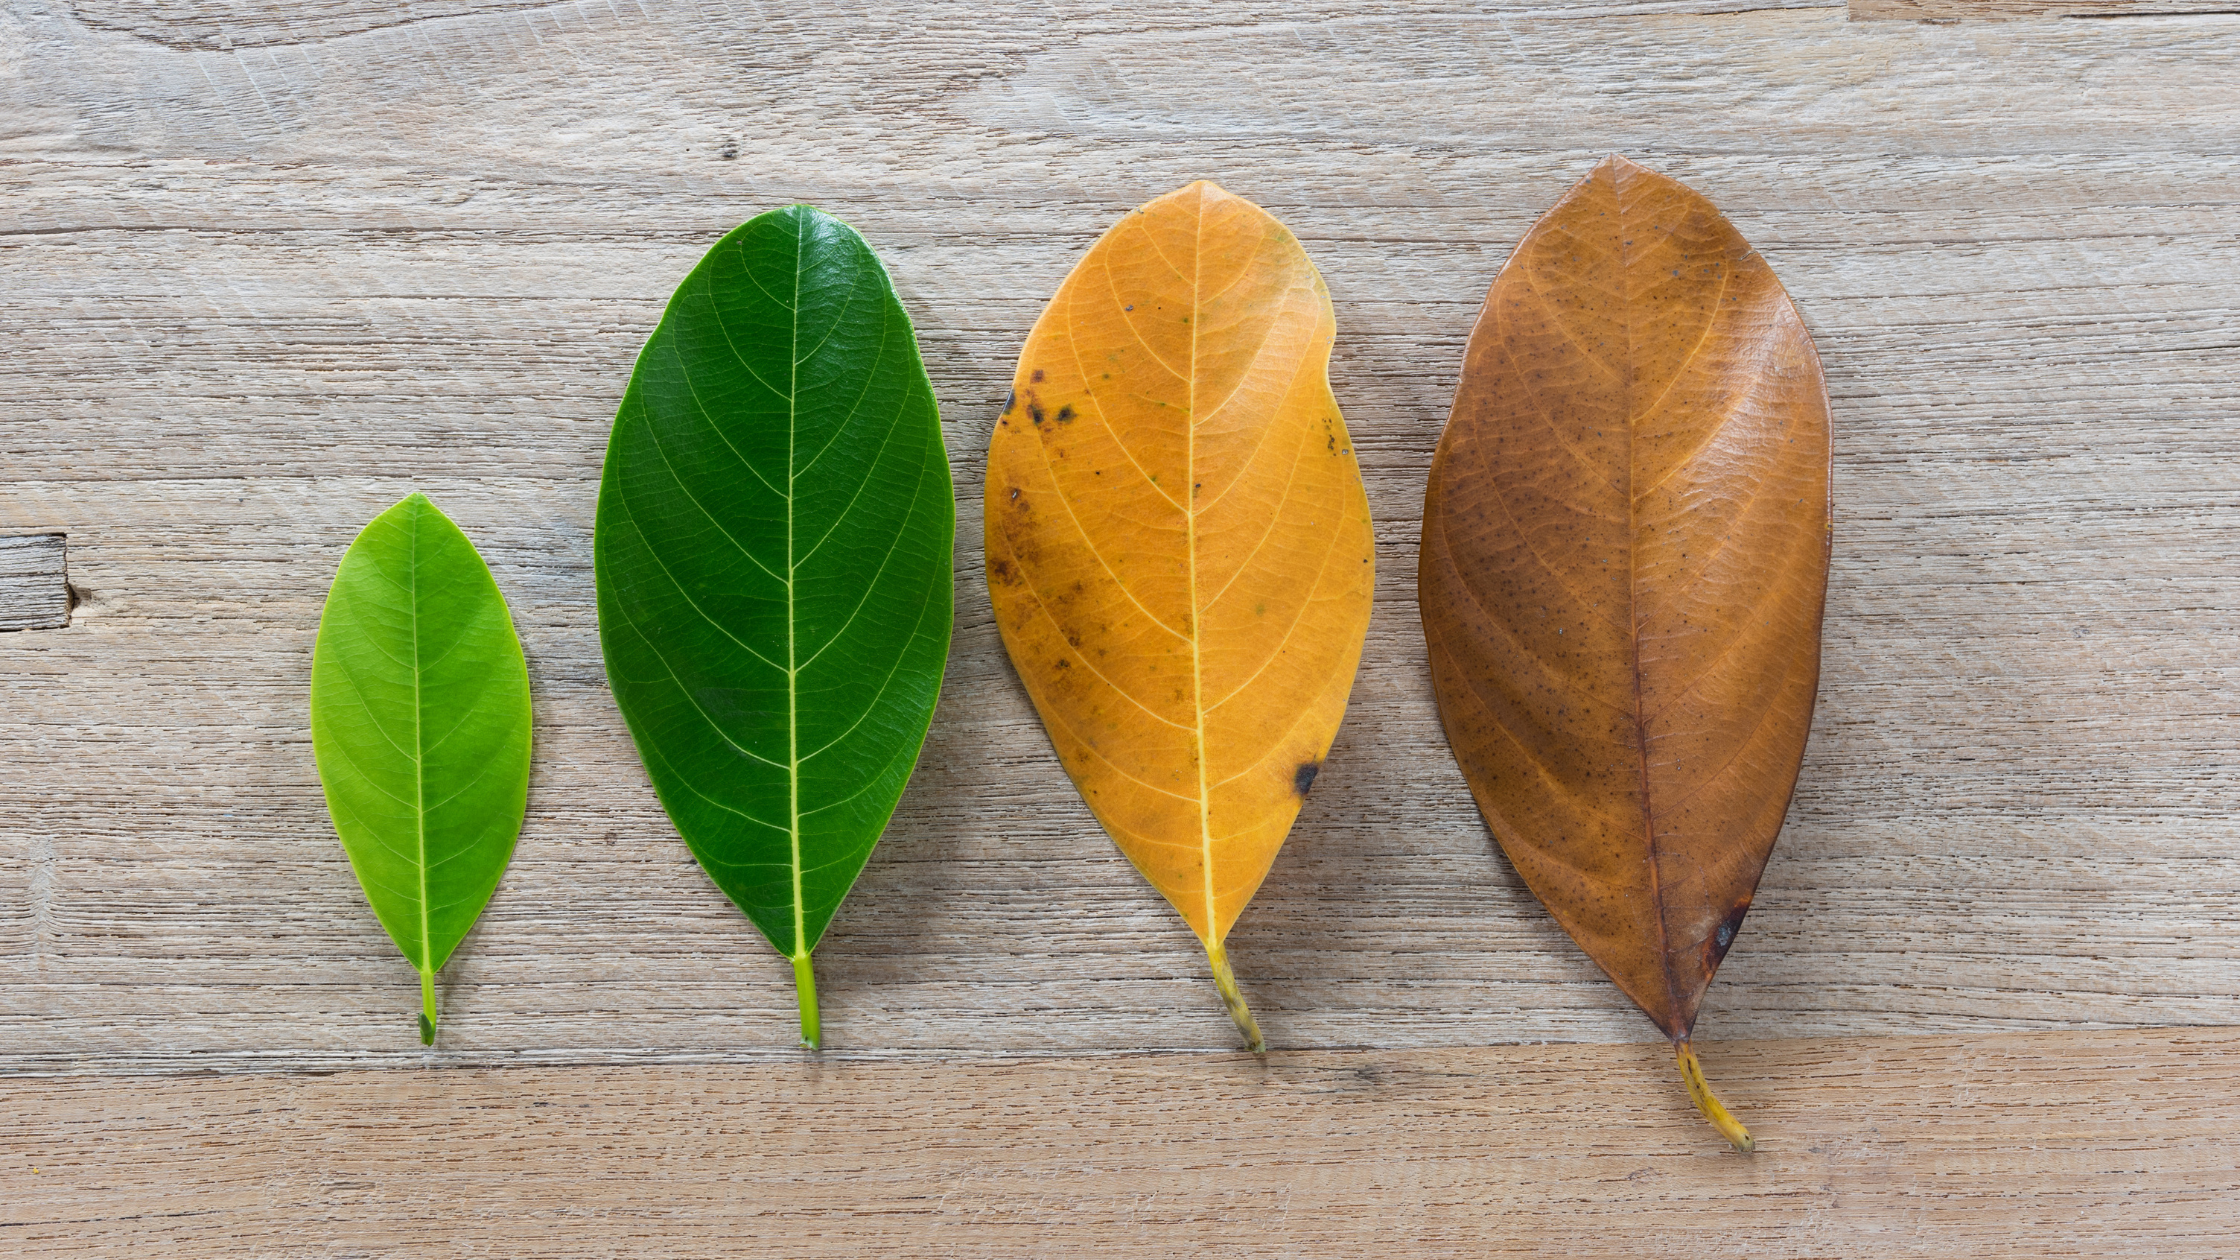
{"type": "Point", "coordinates": [1178, 544]}
{"type": "Point", "coordinates": [1625, 556]}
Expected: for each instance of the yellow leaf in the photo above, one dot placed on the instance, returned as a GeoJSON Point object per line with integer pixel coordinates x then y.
{"type": "Point", "coordinates": [1179, 549]}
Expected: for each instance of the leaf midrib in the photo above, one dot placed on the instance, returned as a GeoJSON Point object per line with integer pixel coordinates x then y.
{"type": "Point", "coordinates": [1190, 546]}
{"type": "Point", "coordinates": [1641, 717]}
{"type": "Point", "coordinates": [1633, 618]}
{"type": "Point", "coordinates": [419, 747]}
{"type": "Point", "coordinates": [793, 703]}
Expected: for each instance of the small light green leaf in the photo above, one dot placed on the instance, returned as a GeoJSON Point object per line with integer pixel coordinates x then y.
{"type": "Point", "coordinates": [420, 723]}
{"type": "Point", "coordinates": [773, 563]}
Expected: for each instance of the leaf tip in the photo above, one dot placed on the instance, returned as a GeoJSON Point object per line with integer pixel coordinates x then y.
{"type": "Point", "coordinates": [822, 224]}
{"type": "Point", "coordinates": [416, 505]}
{"type": "Point", "coordinates": [1203, 191]}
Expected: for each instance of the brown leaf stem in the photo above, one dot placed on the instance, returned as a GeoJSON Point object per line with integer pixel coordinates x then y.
{"type": "Point", "coordinates": [1226, 980]}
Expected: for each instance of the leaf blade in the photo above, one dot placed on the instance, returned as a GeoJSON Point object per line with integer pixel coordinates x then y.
{"type": "Point", "coordinates": [421, 728]}
{"type": "Point", "coordinates": [1624, 565]}
{"type": "Point", "coordinates": [1171, 500]}
{"type": "Point", "coordinates": [772, 558]}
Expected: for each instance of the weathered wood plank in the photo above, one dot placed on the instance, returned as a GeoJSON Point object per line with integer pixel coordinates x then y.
{"type": "Point", "coordinates": [2008, 10]}
{"type": "Point", "coordinates": [2038, 1145]}
{"type": "Point", "coordinates": [230, 25]}
{"type": "Point", "coordinates": [34, 583]}
{"type": "Point", "coordinates": [256, 294]}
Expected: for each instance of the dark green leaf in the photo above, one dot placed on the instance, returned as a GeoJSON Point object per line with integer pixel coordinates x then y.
{"type": "Point", "coordinates": [773, 561]}
{"type": "Point", "coordinates": [420, 723]}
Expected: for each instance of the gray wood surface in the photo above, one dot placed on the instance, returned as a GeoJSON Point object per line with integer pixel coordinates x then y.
{"type": "Point", "coordinates": [270, 267]}
{"type": "Point", "coordinates": [34, 582]}
{"type": "Point", "coordinates": [2009, 10]}
{"type": "Point", "coordinates": [2023, 1145]}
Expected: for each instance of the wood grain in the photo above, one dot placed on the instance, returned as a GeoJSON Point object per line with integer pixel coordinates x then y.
{"type": "Point", "coordinates": [255, 294]}
{"type": "Point", "coordinates": [2023, 1145]}
{"type": "Point", "coordinates": [2009, 10]}
{"type": "Point", "coordinates": [34, 582]}
{"type": "Point", "coordinates": [271, 265]}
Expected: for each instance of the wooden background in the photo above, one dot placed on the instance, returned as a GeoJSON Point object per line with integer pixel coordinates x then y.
{"type": "Point", "coordinates": [267, 266]}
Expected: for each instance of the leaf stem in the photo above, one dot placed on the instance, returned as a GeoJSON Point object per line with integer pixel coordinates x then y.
{"type": "Point", "coordinates": [1699, 1090]}
{"type": "Point", "coordinates": [428, 1007]}
{"type": "Point", "coordinates": [1226, 981]}
{"type": "Point", "coordinates": [805, 987]}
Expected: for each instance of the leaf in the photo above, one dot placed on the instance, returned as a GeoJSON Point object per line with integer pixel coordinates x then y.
{"type": "Point", "coordinates": [421, 727]}
{"type": "Point", "coordinates": [773, 562]}
{"type": "Point", "coordinates": [1178, 545]}
{"type": "Point", "coordinates": [1625, 554]}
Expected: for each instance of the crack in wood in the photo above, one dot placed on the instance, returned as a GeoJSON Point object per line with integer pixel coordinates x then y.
{"type": "Point", "coordinates": [34, 583]}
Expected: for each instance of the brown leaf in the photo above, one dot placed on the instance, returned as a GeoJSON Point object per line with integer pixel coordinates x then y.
{"type": "Point", "coordinates": [1625, 555]}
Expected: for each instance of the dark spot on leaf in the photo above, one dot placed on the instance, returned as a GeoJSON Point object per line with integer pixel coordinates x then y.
{"type": "Point", "coordinates": [1724, 937]}
{"type": "Point", "coordinates": [1035, 412]}
{"type": "Point", "coordinates": [1037, 377]}
{"type": "Point", "coordinates": [1303, 777]}
{"type": "Point", "coordinates": [1010, 400]}
{"type": "Point", "coordinates": [1065, 414]}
